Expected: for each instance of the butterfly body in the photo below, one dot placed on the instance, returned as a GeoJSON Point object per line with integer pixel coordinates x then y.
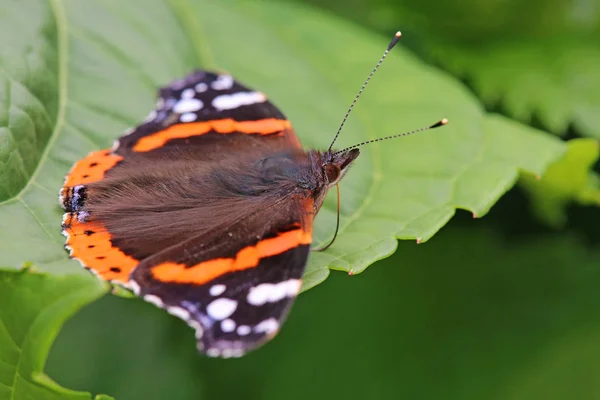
{"type": "Point", "coordinates": [205, 209]}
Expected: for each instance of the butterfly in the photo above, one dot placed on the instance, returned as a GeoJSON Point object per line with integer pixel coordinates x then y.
{"type": "Point", "coordinates": [205, 209]}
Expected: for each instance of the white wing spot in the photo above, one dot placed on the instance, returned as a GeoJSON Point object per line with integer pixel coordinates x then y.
{"type": "Point", "coordinates": [188, 117]}
{"type": "Point", "coordinates": [278, 292]}
{"type": "Point", "coordinates": [61, 197]}
{"type": "Point", "coordinates": [216, 290]}
{"type": "Point", "coordinates": [213, 352]}
{"type": "Point", "coordinates": [151, 116]}
{"type": "Point", "coordinates": [179, 312]}
{"type": "Point", "coordinates": [232, 352]}
{"type": "Point", "coordinates": [258, 295]}
{"type": "Point", "coordinates": [228, 325]}
{"type": "Point", "coordinates": [273, 292]}
{"type": "Point", "coordinates": [188, 93]}
{"type": "Point", "coordinates": [150, 298]}
{"type": "Point", "coordinates": [237, 352]}
{"type": "Point", "coordinates": [221, 308]}
{"type": "Point", "coordinates": [223, 82]}
{"type": "Point", "coordinates": [197, 327]}
{"type": "Point", "coordinates": [135, 287]}
{"type": "Point", "coordinates": [243, 330]}
{"type": "Point", "coordinates": [187, 105]}
{"type": "Point", "coordinates": [201, 87]}
{"type": "Point", "coordinates": [235, 100]}
{"type": "Point", "coordinates": [267, 326]}
{"type": "Point", "coordinates": [292, 286]}
{"type": "Point", "coordinates": [227, 353]}
{"type": "Point", "coordinates": [82, 216]}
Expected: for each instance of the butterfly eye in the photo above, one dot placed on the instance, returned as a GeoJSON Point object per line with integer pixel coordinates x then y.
{"type": "Point", "coordinates": [332, 172]}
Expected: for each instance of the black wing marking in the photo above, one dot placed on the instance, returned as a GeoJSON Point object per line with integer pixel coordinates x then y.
{"type": "Point", "coordinates": [238, 300]}
{"type": "Point", "coordinates": [204, 96]}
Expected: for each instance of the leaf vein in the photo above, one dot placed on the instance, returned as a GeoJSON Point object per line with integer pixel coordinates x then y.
{"type": "Point", "coordinates": [34, 215]}
{"type": "Point", "coordinates": [9, 335]}
{"type": "Point", "coordinates": [83, 135]}
{"type": "Point", "coordinates": [61, 25]}
{"type": "Point", "coordinates": [12, 80]}
{"type": "Point", "coordinates": [44, 188]}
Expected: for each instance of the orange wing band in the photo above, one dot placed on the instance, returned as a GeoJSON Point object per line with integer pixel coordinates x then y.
{"type": "Point", "coordinates": [267, 126]}
{"type": "Point", "coordinates": [92, 168]}
{"type": "Point", "coordinates": [248, 257]}
{"type": "Point", "coordinates": [89, 242]}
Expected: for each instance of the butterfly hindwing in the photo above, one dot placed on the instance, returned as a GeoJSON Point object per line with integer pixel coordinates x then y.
{"type": "Point", "coordinates": [239, 300]}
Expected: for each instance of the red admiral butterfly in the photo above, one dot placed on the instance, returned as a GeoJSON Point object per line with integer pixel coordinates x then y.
{"type": "Point", "coordinates": [206, 209]}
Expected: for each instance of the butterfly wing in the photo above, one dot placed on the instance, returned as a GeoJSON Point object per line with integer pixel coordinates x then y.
{"type": "Point", "coordinates": [203, 110]}
{"type": "Point", "coordinates": [202, 107]}
{"type": "Point", "coordinates": [156, 214]}
{"type": "Point", "coordinates": [236, 288]}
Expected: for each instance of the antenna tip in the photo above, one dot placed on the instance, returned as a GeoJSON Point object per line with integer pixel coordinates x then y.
{"type": "Point", "coordinates": [394, 40]}
{"type": "Point", "coordinates": [441, 122]}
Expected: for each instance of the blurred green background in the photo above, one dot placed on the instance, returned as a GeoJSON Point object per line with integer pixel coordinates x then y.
{"type": "Point", "coordinates": [536, 61]}
{"type": "Point", "coordinates": [498, 308]}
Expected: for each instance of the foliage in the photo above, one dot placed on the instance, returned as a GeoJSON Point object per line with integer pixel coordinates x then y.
{"type": "Point", "coordinates": [567, 179]}
{"type": "Point", "coordinates": [536, 61]}
{"type": "Point", "coordinates": [34, 306]}
{"type": "Point", "coordinates": [74, 75]}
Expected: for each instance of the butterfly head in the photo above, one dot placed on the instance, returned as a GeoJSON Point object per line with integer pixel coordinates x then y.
{"type": "Point", "coordinates": [336, 164]}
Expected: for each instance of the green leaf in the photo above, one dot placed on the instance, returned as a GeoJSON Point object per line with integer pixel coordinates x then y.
{"type": "Point", "coordinates": [555, 80]}
{"type": "Point", "coordinates": [536, 60]}
{"type": "Point", "coordinates": [311, 64]}
{"type": "Point", "coordinates": [568, 179]}
{"type": "Point", "coordinates": [465, 316]}
{"type": "Point", "coordinates": [33, 308]}
{"type": "Point", "coordinates": [29, 92]}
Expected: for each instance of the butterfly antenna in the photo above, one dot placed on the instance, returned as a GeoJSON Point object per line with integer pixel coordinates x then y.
{"type": "Point", "coordinates": [441, 122]}
{"type": "Point", "coordinates": [390, 46]}
{"type": "Point", "coordinates": [337, 224]}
